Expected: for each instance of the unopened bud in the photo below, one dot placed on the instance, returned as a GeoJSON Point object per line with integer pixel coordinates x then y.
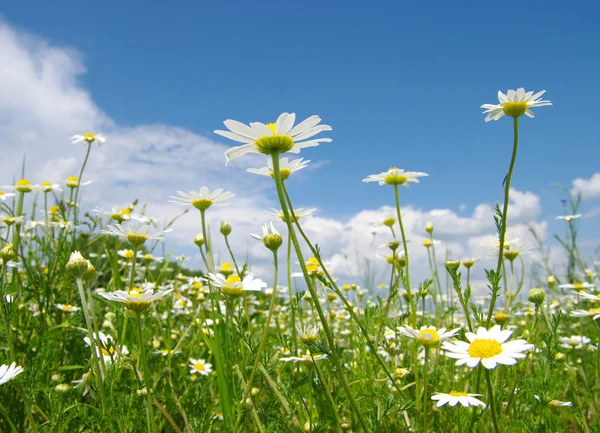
{"type": "Point", "coordinates": [7, 252]}
{"type": "Point", "coordinates": [429, 228]}
{"type": "Point", "coordinates": [401, 373]}
{"type": "Point", "coordinates": [90, 272]}
{"type": "Point", "coordinates": [452, 264]}
{"type": "Point", "coordinates": [225, 228]}
{"type": "Point", "coordinates": [254, 391]}
{"type": "Point", "coordinates": [199, 240]}
{"type": "Point", "coordinates": [77, 265]}
{"type": "Point", "coordinates": [501, 318]}
{"type": "Point", "coordinates": [536, 296]}
{"type": "Point", "coordinates": [560, 357]}
{"type": "Point", "coordinates": [273, 242]}
{"type": "Point", "coordinates": [551, 281]}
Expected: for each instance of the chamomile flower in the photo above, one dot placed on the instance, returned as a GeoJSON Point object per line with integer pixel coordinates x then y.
{"type": "Point", "coordinates": [120, 214]}
{"type": "Point", "coordinates": [594, 313]}
{"type": "Point", "coordinates": [167, 352]}
{"type": "Point", "coordinates": [387, 221]}
{"type": "Point", "coordinates": [280, 137]}
{"type": "Point", "coordinates": [487, 347]}
{"type": "Point", "coordinates": [5, 195]}
{"type": "Point", "coordinates": [555, 404]}
{"type": "Point", "coordinates": [73, 182]}
{"type": "Point", "coordinates": [270, 238]}
{"type": "Point", "coordinates": [298, 213]}
{"type": "Point", "coordinates": [590, 296]}
{"type": "Point", "coordinates": [574, 342]}
{"type": "Point", "coordinates": [86, 383]}
{"type": "Point", "coordinates": [10, 220]}
{"type": "Point", "coordinates": [286, 167]}
{"type": "Point", "coordinates": [568, 218]}
{"type": "Point", "coordinates": [106, 348]}
{"type": "Point", "coordinates": [135, 235]}
{"type": "Point", "coordinates": [88, 137]}
{"type": "Point", "coordinates": [9, 372]}
{"type": "Point", "coordinates": [200, 366]}
{"type": "Point", "coordinates": [395, 176]}
{"type": "Point", "coordinates": [23, 185]}
{"type": "Point", "coordinates": [234, 286]}
{"type": "Point", "coordinates": [47, 187]}
{"type": "Point", "coordinates": [308, 333]}
{"type": "Point", "coordinates": [67, 308]}
{"type": "Point", "coordinates": [305, 359]}
{"type": "Point", "coordinates": [136, 300]}
{"type": "Point", "coordinates": [428, 335]}
{"type": "Point", "coordinates": [204, 198]}
{"type": "Point", "coordinates": [454, 397]}
{"type": "Point", "coordinates": [514, 104]}
{"type": "Point", "coordinates": [578, 287]}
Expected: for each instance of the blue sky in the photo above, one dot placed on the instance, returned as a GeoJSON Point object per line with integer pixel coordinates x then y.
{"type": "Point", "coordinates": [401, 84]}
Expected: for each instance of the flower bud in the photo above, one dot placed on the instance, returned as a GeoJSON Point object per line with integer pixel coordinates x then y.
{"type": "Point", "coordinates": [90, 272]}
{"type": "Point", "coordinates": [199, 240]}
{"type": "Point", "coordinates": [560, 357]}
{"type": "Point", "coordinates": [62, 387]}
{"type": "Point", "coordinates": [452, 264]}
{"type": "Point", "coordinates": [225, 228]}
{"type": "Point", "coordinates": [7, 252]}
{"type": "Point", "coordinates": [273, 242]}
{"type": "Point", "coordinates": [77, 265]}
{"type": "Point", "coordinates": [401, 373]}
{"type": "Point", "coordinates": [429, 227]}
{"type": "Point", "coordinates": [536, 296]}
{"type": "Point", "coordinates": [254, 391]}
{"type": "Point", "coordinates": [501, 318]}
{"type": "Point", "coordinates": [551, 281]}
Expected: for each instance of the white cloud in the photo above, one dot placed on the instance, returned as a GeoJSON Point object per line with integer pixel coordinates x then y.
{"type": "Point", "coordinates": [43, 102]}
{"type": "Point", "coordinates": [588, 188]}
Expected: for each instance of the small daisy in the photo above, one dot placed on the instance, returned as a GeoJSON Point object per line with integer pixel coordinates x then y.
{"type": "Point", "coordinates": [67, 308]}
{"type": "Point", "coordinates": [594, 313]}
{"type": "Point", "coordinates": [200, 366]}
{"type": "Point", "coordinates": [514, 104]}
{"type": "Point", "coordinates": [470, 261]}
{"type": "Point", "coordinates": [88, 137]}
{"type": "Point", "coordinates": [578, 287]}
{"type": "Point", "coordinates": [135, 235]}
{"type": "Point", "coordinates": [395, 176]}
{"type": "Point", "coordinates": [136, 300]}
{"type": "Point", "coordinates": [120, 214]}
{"type": "Point", "coordinates": [281, 136]}
{"type": "Point", "coordinates": [129, 254]}
{"type": "Point", "coordinates": [86, 383]}
{"type": "Point", "coordinates": [308, 333]}
{"type": "Point", "coordinates": [203, 199]}
{"type": "Point", "coordinates": [568, 218]}
{"type": "Point", "coordinates": [47, 187]}
{"type": "Point", "coordinates": [270, 238]}
{"type": "Point", "coordinates": [298, 213]}
{"type": "Point", "coordinates": [555, 404]}
{"type": "Point", "coordinates": [428, 335]}
{"type": "Point", "coordinates": [286, 167]}
{"type": "Point", "coordinates": [454, 397]}
{"type": "Point", "coordinates": [234, 286]}
{"type": "Point", "coordinates": [590, 296]}
{"type": "Point", "coordinates": [574, 342]}
{"type": "Point", "coordinates": [5, 195]}
{"type": "Point", "coordinates": [9, 372]}
{"type": "Point", "coordinates": [166, 352]}
{"type": "Point", "coordinates": [106, 347]}
{"type": "Point", "coordinates": [305, 359]}
{"type": "Point", "coordinates": [487, 347]}
{"type": "Point", "coordinates": [73, 182]}
{"type": "Point", "coordinates": [22, 185]}
{"type": "Point", "coordinates": [10, 220]}
{"type": "Point", "coordinates": [387, 221]}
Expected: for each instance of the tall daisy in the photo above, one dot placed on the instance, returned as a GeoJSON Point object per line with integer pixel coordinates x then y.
{"type": "Point", "coordinates": [279, 137]}
{"type": "Point", "coordinates": [428, 335]}
{"type": "Point", "coordinates": [136, 300]}
{"type": "Point", "coordinates": [136, 235]}
{"type": "Point", "coordinates": [286, 167]}
{"type": "Point", "coordinates": [395, 176]}
{"type": "Point", "coordinates": [514, 104]}
{"type": "Point", "coordinates": [204, 198]}
{"type": "Point", "coordinates": [88, 137]}
{"type": "Point", "coordinates": [454, 397]}
{"type": "Point", "coordinates": [487, 347]}
{"type": "Point", "coordinates": [234, 286]}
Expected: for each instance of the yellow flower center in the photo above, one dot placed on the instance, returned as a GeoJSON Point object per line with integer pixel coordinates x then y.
{"type": "Point", "coordinates": [232, 286]}
{"type": "Point", "coordinates": [53, 209]}
{"type": "Point", "coordinates": [428, 337]}
{"type": "Point", "coordinates": [468, 263]}
{"type": "Point", "coordinates": [270, 144]}
{"type": "Point", "coordinates": [395, 179]}
{"type": "Point", "coordinates": [108, 352]}
{"type": "Point", "coordinates": [67, 308]}
{"type": "Point", "coordinates": [89, 137]}
{"type": "Point", "coordinates": [284, 173]}
{"type": "Point", "coordinates": [427, 243]}
{"type": "Point", "coordinates": [135, 239]}
{"type": "Point", "coordinates": [458, 394]}
{"type": "Point", "coordinates": [2, 193]}
{"type": "Point", "coordinates": [47, 185]}
{"type": "Point", "coordinates": [312, 265]}
{"type": "Point", "coordinates": [389, 222]}
{"type": "Point", "coordinates": [128, 254]}
{"type": "Point", "coordinates": [515, 109]}
{"type": "Point", "coordinates": [149, 257]}
{"type": "Point", "coordinates": [199, 367]}
{"type": "Point", "coordinates": [9, 221]}
{"type": "Point", "coordinates": [23, 186]}
{"type": "Point", "coordinates": [594, 311]}
{"type": "Point", "coordinates": [484, 348]}
{"type": "Point", "coordinates": [202, 204]}
{"type": "Point", "coordinates": [72, 181]}
{"type": "Point", "coordinates": [578, 286]}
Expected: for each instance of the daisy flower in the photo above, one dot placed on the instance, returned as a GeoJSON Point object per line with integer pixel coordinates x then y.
{"type": "Point", "coordinates": [234, 286]}
{"type": "Point", "coordinates": [105, 347]}
{"type": "Point", "coordinates": [454, 397]}
{"type": "Point", "coordinates": [203, 199]}
{"type": "Point", "coordinates": [200, 366]}
{"type": "Point", "coordinates": [305, 359]}
{"type": "Point", "coordinates": [22, 185]}
{"type": "Point", "coordinates": [298, 213]}
{"type": "Point", "coordinates": [578, 287]}
{"type": "Point", "coordinates": [590, 296]}
{"type": "Point", "coordinates": [9, 372]}
{"type": "Point", "coordinates": [5, 195]}
{"type": "Point", "coordinates": [568, 218]}
{"type": "Point", "coordinates": [86, 383]}
{"type": "Point", "coordinates": [395, 176]}
{"type": "Point", "coordinates": [135, 235]}
{"type": "Point", "coordinates": [47, 187]}
{"type": "Point", "coordinates": [73, 182]}
{"type": "Point", "coordinates": [387, 221]}
{"type": "Point", "coordinates": [594, 313]}
{"type": "Point", "coordinates": [88, 137]}
{"type": "Point", "coordinates": [574, 342]}
{"type": "Point", "coordinates": [487, 347]}
{"type": "Point", "coordinates": [428, 335]}
{"type": "Point", "coordinates": [555, 404]}
{"type": "Point", "coordinates": [166, 352]}
{"type": "Point", "coordinates": [120, 214]}
{"type": "Point", "coordinates": [270, 238]}
{"type": "Point", "coordinates": [286, 167]}
{"type": "Point", "coordinates": [67, 308]}
{"type": "Point", "coordinates": [136, 300]}
{"type": "Point", "coordinates": [308, 333]}
{"type": "Point", "coordinates": [279, 137]}
{"type": "Point", "coordinates": [10, 220]}
{"type": "Point", "coordinates": [514, 104]}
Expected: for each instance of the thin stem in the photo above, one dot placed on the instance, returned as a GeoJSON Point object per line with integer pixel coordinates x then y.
{"type": "Point", "coordinates": [149, 409]}
{"type": "Point", "coordinates": [491, 399]}
{"type": "Point", "coordinates": [407, 266]}
{"type": "Point", "coordinates": [425, 401]}
{"type": "Point", "coordinates": [87, 154]}
{"type": "Point", "coordinates": [232, 256]}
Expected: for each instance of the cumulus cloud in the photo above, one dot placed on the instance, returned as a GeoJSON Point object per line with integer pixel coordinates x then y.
{"type": "Point", "coordinates": [588, 188]}
{"type": "Point", "coordinates": [43, 102]}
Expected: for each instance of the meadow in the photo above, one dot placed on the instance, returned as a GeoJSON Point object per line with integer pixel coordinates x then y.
{"type": "Point", "coordinates": [101, 333]}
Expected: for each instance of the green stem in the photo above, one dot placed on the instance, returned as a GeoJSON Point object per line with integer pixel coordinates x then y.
{"type": "Point", "coordinates": [131, 286]}
{"type": "Point", "coordinates": [491, 399]}
{"type": "Point", "coordinates": [425, 401]}
{"type": "Point", "coordinates": [146, 377]}
{"type": "Point", "coordinates": [505, 211]}
{"type": "Point", "coordinates": [291, 295]}
{"type": "Point", "coordinates": [87, 154]}
{"type": "Point", "coordinates": [407, 266]}
{"type": "Point", "coordinates": [315, 297]}
{"type": "Point", "coordinates": [232, 257]}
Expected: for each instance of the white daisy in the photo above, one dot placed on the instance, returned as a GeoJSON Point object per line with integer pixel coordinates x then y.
{"type": "Point", "coordinates": [427, 335]}
{"type": "Point", "coordinates": [568, 218]}
{"type": "Point", "coordinates": [23, 185]}
{"type": "Point", "coordinates": [592, 312]}
{"type": "Point", "coordinates": [105, 347]}
{"type": "Point", "coordinates": [286, 167]}
{"type": "Point", "coordinates": [454, 397]}
{"type": "Point", "coordinates": [395, 176]}
{"type": "Point", "coordinates": [121, 214]}
{"type": "Point", "coordinates": [514, 104]}
{"type": "Point", "coordinates": [9, 372]}
{"type": "Point", "coordinates": [574, 342]}
{"type": "Point", "coordinates": [73, 181]}
{"type": "Point", "coordinates": [166, 352]}
{"type": "Point", "coordinates": [578, 287]}
{"type": "Point", "coordinates": [200, 366]}
{"type": "Point", "coordinates": [487, 347]}
{"type": "Point", "coordinates": [298, 213]}
{"type": "Point", "coordinates": [135, 300]}
{"type": "Point", "coordinates": [306, 359]}
{"type": "Point", "coordinates": [271, 237]}
{"type": "Point", "coordinates": [554, 404]}
{"type": "Point", "coordinates": [590, 296]}
{"type": "Point", "coordinates": [86, 383]}
{"type": "Point", "coordinates": [47, 187]}
{"type": "Point", "coordinates": [89, 137]}
{"type": "Point", "coordinates": [136, 235]}
{"type": "Point", "coordinates": [5, 195]}
{"type": "Point", "coordinates": [203, 199]}
{"type": "Point", "coordinates": [281, 136]}
{"type": "Point", "coordinates": [234, 286]}
{"type": "Point", "coordinates": [67, 308]}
